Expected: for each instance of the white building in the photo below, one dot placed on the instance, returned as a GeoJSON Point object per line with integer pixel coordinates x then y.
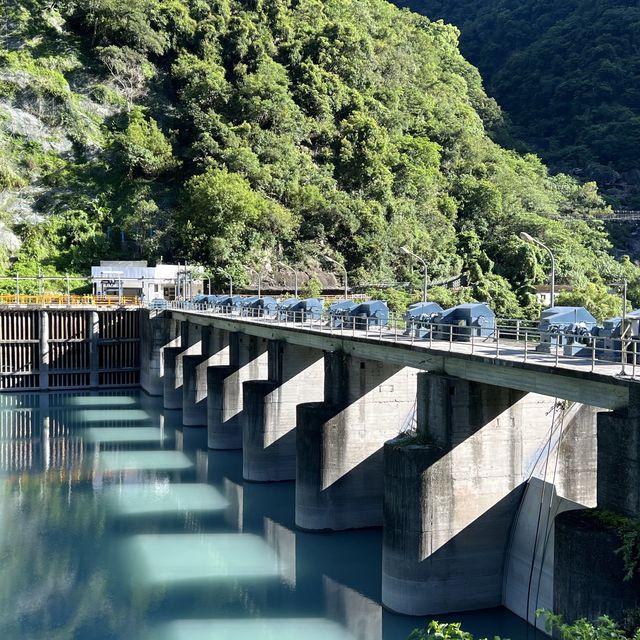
{"type": "Point", "coordinates": [543, 293]}
{"type": "Point", "coordinates": [135, 278]}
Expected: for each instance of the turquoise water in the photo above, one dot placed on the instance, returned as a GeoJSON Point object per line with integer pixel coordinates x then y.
{"type": "Point", "coordinates": [117, 523]}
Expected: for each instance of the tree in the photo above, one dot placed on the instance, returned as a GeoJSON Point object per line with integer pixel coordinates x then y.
{"type": "Point", "coordinates": [312, 288]}
{"type": "Point", "coordinates": [595, 298]}
{"type": "Point", "coordinates": [129, 70]}
{"type": "Point", "coordinates": [143, 148]}
{"type": "Point", "coordinates": [224, 215]}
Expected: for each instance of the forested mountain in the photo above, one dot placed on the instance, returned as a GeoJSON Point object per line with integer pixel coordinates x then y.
{"type": "Point", "coordinates": [567, 73]}
{"type": "Point", "coordinates": [240, 132]}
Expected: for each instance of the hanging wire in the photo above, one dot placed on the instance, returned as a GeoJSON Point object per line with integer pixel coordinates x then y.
{"type": "Point", "coordinates": [551, 518]}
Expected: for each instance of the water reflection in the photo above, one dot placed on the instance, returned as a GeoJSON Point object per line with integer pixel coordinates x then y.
{"type": "Point", "coordinates": [143, 461]}
{"type": "Point", "coordinates": [113, 415]}
{"type": "Point", "coordinates": [162, 497]}
{"type": "Point", "coordinates": [265, 629]}
{"type": "Point", "coordinates": [117, 523]}
{"type": "Point", "coordinates": [177, 559]}
{"type": "Point", "coordinates": [100, 401]}
{"type": "Point", "coordinates": [122, 434]}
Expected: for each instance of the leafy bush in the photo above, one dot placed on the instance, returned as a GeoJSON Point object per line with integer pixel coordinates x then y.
{"type": "Point", "coordinates": [604, 628]}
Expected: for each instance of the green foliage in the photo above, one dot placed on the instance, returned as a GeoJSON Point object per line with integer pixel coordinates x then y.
{"type": "Point", "coordinates": [231, 133]}
{"type": "Point", "coordinates": [630, 549]}
{"type": "Point", "coordinates": [604, 628]}
{"type": "Point", "coordinates": [397, 300]}
{"type": "Point", "coordinates": [629, 531]}
{"type": "Point", "coordinates": [143, 148]}
{"type": "Point", "coordinates": [595, 297]}
{"type": "Point", "coordinates": [448, 298]}
{"type": "Point", "coordinates": [564, 71]}
{"type": "Point", "coordinates": [225, 217]}
{"type": "Point", "coordinates": [441, 631]}
{"type": "Point", "coordinates": [312, 288]}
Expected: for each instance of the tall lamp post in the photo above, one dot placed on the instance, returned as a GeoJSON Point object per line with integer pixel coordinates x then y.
{"type": "Point", "coordinates": [425, 283]}
{"type": "Point", "coordinates": [346, 287]}
{"type": "Point", "coordinates": [295, 275]}
{"type": "Point", "coordinates": [527, 238]}
{"type": "Point", "coordinates": [623, 327]}
{"type": "Point", "coordinates": [226, 273]}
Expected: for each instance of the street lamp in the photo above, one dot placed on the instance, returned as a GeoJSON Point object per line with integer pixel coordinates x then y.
{"type": "Point", "coordinates": [346, 288]}
{"type": "Point", "coordinates": [426, 272]}
{"type": "Point", "coordinates": [295, 275]}
{"type": "Point", "coordinates": [623, 326]}
{"type": "Point", "coordinates": [226, 273]}
{"type": "Point", "coordinates": [527, 238]}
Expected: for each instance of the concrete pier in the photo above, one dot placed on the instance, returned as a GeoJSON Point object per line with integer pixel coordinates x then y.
{"type": "Point", "coordinates": [340, 442]}
{"type": "Point", "coordinates": [296, 375]}
{"type": "Point", "coordinates": [248, 360]}
{"type": "Point", "coordinates": [590, 573]}
{"type": "Point", "coordinates": [452, 493]}
{"type": "Point", "coordinates": [158, 331]}
{"type": "Point", "coordinates": [215, 352]}
{"type": "Point", "coordinates": [190, 344]}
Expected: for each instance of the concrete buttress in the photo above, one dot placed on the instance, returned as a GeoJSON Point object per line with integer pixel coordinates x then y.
{"type": "Point", "coordinates": [296, 375]}
{"type": "Point", "coordinates": [339, 479]}
{"type": "Point", "coordinates": [215, 352]}
{"type": "Point", "coordinates": [590, 576]}
{"type": "Point", "coordinates": [248, 360]}
{"type": "Point", "coordinates": [158, 331]}
{"type": "Point", "coordinates": [190, 344]}
{"type": "Point", "coordinates": [452, 493]}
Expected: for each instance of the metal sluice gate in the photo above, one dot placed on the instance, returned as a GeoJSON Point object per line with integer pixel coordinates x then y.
{"type": "Point", "coordinates": [69, 348]}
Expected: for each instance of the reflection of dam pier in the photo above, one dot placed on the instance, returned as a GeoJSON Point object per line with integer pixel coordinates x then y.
{"type": "Point", "coordinates": [478, 473]}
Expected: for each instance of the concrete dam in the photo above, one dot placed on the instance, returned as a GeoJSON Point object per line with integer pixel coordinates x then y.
{"type": "Point", "coordinates": [483, 472]}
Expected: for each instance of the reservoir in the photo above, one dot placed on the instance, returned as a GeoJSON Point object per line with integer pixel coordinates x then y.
{"type": "Point", "coordinates": [116, 522]}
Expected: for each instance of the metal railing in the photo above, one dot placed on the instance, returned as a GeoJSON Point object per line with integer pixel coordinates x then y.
{"type": "Point", "coordinates": [510, 339]}
{"type": "Point", "coordinates": [68, 300]}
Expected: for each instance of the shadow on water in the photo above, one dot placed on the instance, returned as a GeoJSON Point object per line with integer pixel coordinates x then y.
{"type": "Point", "coordinates": [116, 522]}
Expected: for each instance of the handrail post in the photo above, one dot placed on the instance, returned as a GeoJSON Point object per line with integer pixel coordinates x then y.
{"type": "Point", "coordinates": [557, 349]}
{"type": "Point", "coordinates": [623, 355]}
{"type": "Point", "coordinates": [450, 337]}
{"type": "Point", "coordinates": [526, 340]}
{"type": "Point", "coordinates": [497, 341]}
{"type": "Point", "coordinates": [593, 355]}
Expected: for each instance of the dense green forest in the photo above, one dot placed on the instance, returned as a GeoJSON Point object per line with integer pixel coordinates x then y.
{"type": "Point", "coordinates": [568, 75]}
{"type": "Point", "coordinates": [238, 133]}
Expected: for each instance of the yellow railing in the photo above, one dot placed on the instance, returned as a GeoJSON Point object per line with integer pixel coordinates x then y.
{"type": "Point", "coordinates": [61, 299]}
